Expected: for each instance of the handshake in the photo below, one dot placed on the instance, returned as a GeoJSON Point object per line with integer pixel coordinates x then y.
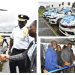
{"type": "Point", "coordinates": [4, 57]}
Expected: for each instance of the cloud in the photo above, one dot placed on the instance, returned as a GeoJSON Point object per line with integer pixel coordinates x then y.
{"type": "Point", "coordinates": [27, 7]}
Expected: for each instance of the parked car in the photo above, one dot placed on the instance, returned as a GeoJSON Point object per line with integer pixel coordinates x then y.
{"type": "Point", "coordinates": [48, 12]}
{"type": "Point", "coordinates": [57, 16]}
{"type": "Point", "coordinates": [67, 25]}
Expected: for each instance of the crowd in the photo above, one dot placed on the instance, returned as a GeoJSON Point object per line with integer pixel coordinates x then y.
{"type": "Point", "coordinates": [57, 57]}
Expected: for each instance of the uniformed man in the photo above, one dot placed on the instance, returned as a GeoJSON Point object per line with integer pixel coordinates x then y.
{"type": "Point", "coordinates": [19, 42]}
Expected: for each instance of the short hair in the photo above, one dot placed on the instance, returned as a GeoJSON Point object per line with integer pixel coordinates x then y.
{"type": "Point", "coordinates": [69, 43]}
{"type": "Point", "coordinates": [64, 46]}
{"type": "Point", "coordinates": [53, 42]}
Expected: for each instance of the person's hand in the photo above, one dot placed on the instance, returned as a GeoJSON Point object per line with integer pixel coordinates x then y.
{"type": "Point", "coordinates": [45, 71]}
{"type": "Point", "coordinates": [4, 57]}
{"type": "Point", "coordinates": [66, 63]}
{"type": "Point", "coordinates": [59, 66]}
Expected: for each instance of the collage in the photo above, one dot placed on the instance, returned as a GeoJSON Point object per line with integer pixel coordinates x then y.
{"type": "Point", "coordinates": [37, 37]}
{"type": "Point", "coordinates": [56, 29]}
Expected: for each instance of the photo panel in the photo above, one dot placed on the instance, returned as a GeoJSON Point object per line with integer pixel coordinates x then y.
{"type": "Point", "coordinates": [56, 18]}
{"type": "Point", "coordinates": [57, 55]}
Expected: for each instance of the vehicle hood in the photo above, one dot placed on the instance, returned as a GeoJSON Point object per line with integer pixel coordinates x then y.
{"type": "Point", "coordinates": [68, 21]}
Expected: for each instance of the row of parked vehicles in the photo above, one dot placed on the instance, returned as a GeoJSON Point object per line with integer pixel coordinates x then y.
{"type": "Point", "coordinates": [64, 17]}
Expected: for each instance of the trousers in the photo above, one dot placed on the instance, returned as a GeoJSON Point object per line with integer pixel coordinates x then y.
{"type": "Point", "coordinates": [20, 63]}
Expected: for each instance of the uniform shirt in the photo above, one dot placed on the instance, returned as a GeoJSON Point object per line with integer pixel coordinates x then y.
{"type": "Point", "coordinates": [20, 41]}
{"type": "Point", "coordinates": [31, 50]}
{"type": "Point", "coordinates": [51, 59]}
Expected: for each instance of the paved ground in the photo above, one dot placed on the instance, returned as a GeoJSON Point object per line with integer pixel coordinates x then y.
{"type": "Point", "coordinates": [45, 29]}
{"type": "Point", "coordinates": [6, 68]}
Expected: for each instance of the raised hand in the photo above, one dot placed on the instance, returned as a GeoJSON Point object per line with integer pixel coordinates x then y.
{"type": "Point", "coordinates": [45, 71]}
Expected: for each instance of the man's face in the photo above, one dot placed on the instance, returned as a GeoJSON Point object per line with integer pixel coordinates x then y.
{"type": "Point", "coordinates": [54, 45]}
{"type": "Point", "coordinates": [69, 46]}
{"type": "Point", "coordinates": [32, 31]}
{"type": "Point", "coordinates": [22, 23]}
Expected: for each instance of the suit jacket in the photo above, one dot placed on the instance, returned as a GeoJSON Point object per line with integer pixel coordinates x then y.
{"type": "Point", "coordinates": [21, 56]}
{"type": "Point", "coordinates": [33, 61]}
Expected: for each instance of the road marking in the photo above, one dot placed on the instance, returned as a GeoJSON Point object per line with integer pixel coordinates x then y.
{"type": "Point", "coordinates": [50, 28]}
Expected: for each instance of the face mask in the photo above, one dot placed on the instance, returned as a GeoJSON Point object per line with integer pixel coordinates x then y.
{"type": "Point", "coordinates": [22, 23]}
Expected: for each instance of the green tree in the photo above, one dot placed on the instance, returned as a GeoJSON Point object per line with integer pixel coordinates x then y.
{"type": "Point", "coordinates": [41, 7]}
{"type": "Point", "coordinates": [41, 10]}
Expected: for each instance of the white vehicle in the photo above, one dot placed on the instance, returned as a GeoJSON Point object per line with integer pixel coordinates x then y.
{"type": "Point", "coordinates": [48, 12]}
{"type": "Point", "coordinates": [56, 17]}
{"type": "Point", "coordinates": [67, 26]}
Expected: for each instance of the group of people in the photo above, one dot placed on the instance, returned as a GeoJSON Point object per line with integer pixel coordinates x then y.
{"type": "Point", "coordinates": [57, 57]}
{"type": "Point", "coordinates": [22, 48]}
